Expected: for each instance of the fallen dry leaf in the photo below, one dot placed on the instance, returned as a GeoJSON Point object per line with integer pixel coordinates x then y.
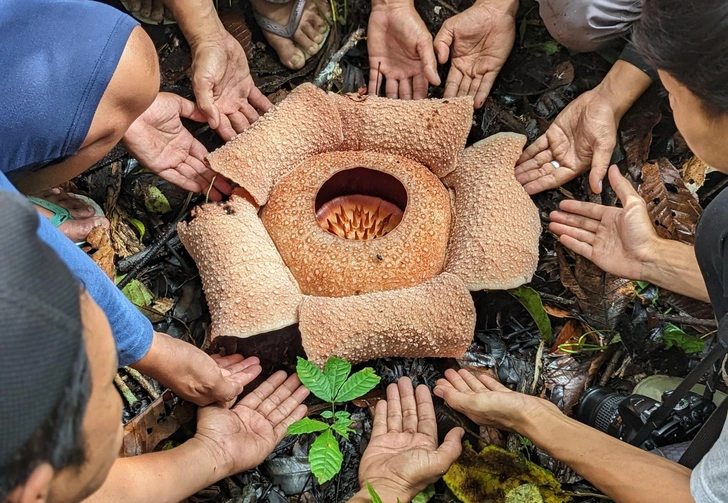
{"type": "Point", "coordinates": [635, 130]}
{"type": "Point", "coordinates": [694, 171]}
{"type": "Point", "coordinates": [103, 255]}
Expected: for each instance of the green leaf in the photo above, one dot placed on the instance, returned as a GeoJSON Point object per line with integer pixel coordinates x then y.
{"type": "Point", "coordinates": [341, 426]}
{"type": "Point", "coordinates": [139, 226]}
{"type": "Point", "coordinates": [531, 300]}
{"type": "Point", "coordinates": [357, 385]}
{"type": "Point", "coordinates": [327, 414]}
{"type": "Point", "coordinates": [525, 493]}
{"type": "Point", "coordinates": [138, 293]}
{"type": "Point", "coordinates": [315, 380]}
{"type": "Point", "coordinates": [373, 494]}
{"type": "Point", "coordinates": [675, 336]}
{"type": "Point", "coordinates": [306, 425]}
{"type": "Point", "coordinates": [425, 495]}
{"type": "Point", "coordinates": [337, 370]}
{"type": "Point", "coordinates": [550, 47]}
{"type": "Point", "coordinates": [325, 457]}
{"type": "Point", "coordinates": [342, 414]}
{"type": "Point", "coordinates": [155, 201]}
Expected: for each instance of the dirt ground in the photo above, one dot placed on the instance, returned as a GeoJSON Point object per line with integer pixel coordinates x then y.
{"type": "Point", "coordinates": [627, 322]}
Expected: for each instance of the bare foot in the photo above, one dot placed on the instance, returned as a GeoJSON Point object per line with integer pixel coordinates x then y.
{"type": "Point", "coordinates": [150, 9]}
{"type": "Point", "coordinates": [84, 215]}
{"type": "Point", "coordinates": [309, 35]}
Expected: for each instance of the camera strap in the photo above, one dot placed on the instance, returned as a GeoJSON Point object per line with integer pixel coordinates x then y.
{"type": "Point", "coordinates": [658, 417]}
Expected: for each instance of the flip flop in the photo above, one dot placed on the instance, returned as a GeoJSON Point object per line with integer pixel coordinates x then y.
{"type": "Point", "coordinates": [147, 20]}
{"type": "Point", "coordinates": [61, 214]}
{"type": "Point", "coordinates": [289, 29]}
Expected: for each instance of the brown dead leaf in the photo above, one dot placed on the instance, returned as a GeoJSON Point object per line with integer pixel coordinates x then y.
{"type": "Point", "coordinates": [570, 334]}
{"type": "Point", "coordinates": [557, 312]}
{"type": "Point", "coordinates": [234, 23]}
{"type": "Point", "coordinates": [694, 171]}
{"type": "Point", "coordinates": [601, 296]}
{"type": "Point", "coordinates": [103, 255]}
{"type": "Point", "coordinates": [673, 209]}
{"type": "Point", "coordinates": [635, 130]}
{"type": "Point", "coordinates": [563, 74]}
{"type": "Point", "coordinates": [565, 379]}
{"type": "Point", "coordinates": [142, 434]}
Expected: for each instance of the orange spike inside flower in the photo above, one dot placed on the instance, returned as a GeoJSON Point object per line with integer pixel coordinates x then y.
{"type": "Point", "coordinates": [359, 217]}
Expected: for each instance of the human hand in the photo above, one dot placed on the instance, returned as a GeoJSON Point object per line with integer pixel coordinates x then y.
{"type": "Point", "coordinates": [159, 141]}
{"type": "Point", "coordinates": [402, 457]}
{"type": "Point", "coordinates": [584, 134]}
{"type": "Point", "coordinates": [486, 401]}
{"type": "Point", "coordinates": [479, 39]}
{"type": "Point", "coordinates": [618, 240]}
{"type": "Point", "coordinates": [400, 49]}
{"type": "Point", "coordinates": [242, 437]}
{"type": "Point", "coordinates": [195, 376]}
{"type": "Point", "coordinates": [223, 87]}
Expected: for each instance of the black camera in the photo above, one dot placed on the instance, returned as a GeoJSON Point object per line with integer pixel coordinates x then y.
{"type": "Point", "coordinates": [622, 416]}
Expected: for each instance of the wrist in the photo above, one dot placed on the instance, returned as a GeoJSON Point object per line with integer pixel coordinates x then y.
{"type": "Point", "coordinates": [532, 419]}
{"type": "Point", "coordinates": [212, 456]}
{"type": "Point", "coordinates": [198, 21]}
{"type": "Point", "coordinates": [622, 86]}
{"type": "Point", "coordinates": [389, 491]}
{"type": "Point", "coordinates": [653, 260]}
{"type": "Point", "coordinates": [153, 363]}
{"type": "Point", "coordinates": [392, 4]}
{"type": "Point", "coordinates": [509, 7]}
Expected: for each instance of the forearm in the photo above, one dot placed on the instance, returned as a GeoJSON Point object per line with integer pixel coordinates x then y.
{"type": "Point", "coordinates": [622, 86]}
{"type": "Point", "coordinates": [673, 265]}
{"type": "Point", "coordinates": [509, 6]}
{"type": "Point", "coordinates": [624, 473]}
{"type": "Point", "coordinates": [387, 495]}
{"type": "Point", "coordinates": [165, 476]}
{"type": "Point", "coordinates": [197, 19]}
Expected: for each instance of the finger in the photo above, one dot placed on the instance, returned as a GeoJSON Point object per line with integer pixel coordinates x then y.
{"type": "Point", "coordinates": [391, 88]}
{"type": "Point", "coordinates": [529, 170]}
{"type": "Point", "coordinates": [282, 428]}
{"type": "Point", "coordinates": [183, 176]}
{"type": "Point", "coordinates": [238, 381]}
{"type": "Point", "coordinates": [239, 366]}
{"type": "Point", "coordinates": [456, 381]}
{"type": "Point", "coordinates": [199, 152]}
{"type": "Point", "coordinates": [188, 109]}
{"type": "Point", "coordinates": [582, 208]}
{"type": "Point", "coordinates": [286, 408]}
{"type": "Point", "coordinates": [452, 83]}
{"type": "Point", "coordinates": [575, 232]}
{"type": "Point", "coordinates": [426, 420]}
{"type": "Point", "coordinates": [202, 88]}
{"type": "Point", "coordinates": [599, 166]}
{"type": "Point", "coordinates": [238, 121]}
{"type": "Point", "coordinates": [266, 388]}
{"type": "Point", "coordinates": [429, 63]}
{"type": "Point", "coordinates": [405, 89]}
{"type": "Point", "coordinates": [442, 43]}
{"type": "Point", "coordinates": [583, 249]}
{"type": "Point", "coordinates": [573, 220]}
{"type": "Point", "coordinates": [259, 100]}
{"type": "Point", "coordinates": [451, 447]}
{"type": "Point", "coordinates": [474, 86]}
{"type": "Point", "coordinates": [419, 87]}
{"type": "Point", "coordinates": [623, 188]}
{"type": "Point", "coordinates": [549, 178]}
{"type": "Point", "coordinates": [394, 409]}
{"type": "Point", "coordinates": [375, 80]}
{"type": "Point", "coordinates": [541, 144]}
{"type": "Point", "coordinates": [379, 425]}
{"type": "Point", "coordinates": [225, 129]}
{"type": "Point", "coordinates": [481, 94]}
{"type": "Point", "coordinates": [225, 361]}
{"type": "Point", "coordinates": [409, 405]}
{"type": "Point", "coordinates": [492, 384]}
{"type": "Point", "coordinates": [471, 380]}
{"type": "Point", "coordinates": [487, 83]}
{"type": "Point", "coordinates": [250, 113]}
{"type": "Point", "coordinates": [454, 398]}
{"type": "Point", "coordinates": [281, 393]}
{"type": "Point", "coordinates": [444, 382]}
{"type": "Point", "coordinates": [464, 86]}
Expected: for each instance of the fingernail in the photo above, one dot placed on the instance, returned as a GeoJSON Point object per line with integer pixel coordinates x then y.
{"type": "Point", "coordinates": [600, 185]}
{"type": "Point", "coordinates": [318, 39]}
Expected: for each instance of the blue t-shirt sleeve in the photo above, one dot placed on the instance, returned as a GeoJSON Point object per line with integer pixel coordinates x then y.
{"type": "Point", "coordinates": [132, 331]}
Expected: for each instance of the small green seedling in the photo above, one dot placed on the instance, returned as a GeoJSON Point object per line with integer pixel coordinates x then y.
{"type": "Point", "coordinates": [333, 385]}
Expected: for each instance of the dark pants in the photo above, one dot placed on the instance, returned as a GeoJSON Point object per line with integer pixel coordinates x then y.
{"type": "Point", "coordinates": [711, 249]}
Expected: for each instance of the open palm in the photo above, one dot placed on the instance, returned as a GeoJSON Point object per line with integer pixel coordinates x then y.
{"type": "Point", "coordinates": [479, 41]}
{"type": "Point", "coordinates": [400, 50]}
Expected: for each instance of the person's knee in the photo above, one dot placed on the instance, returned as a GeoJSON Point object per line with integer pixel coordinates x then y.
{"type": "Point", "coordinates": [588, 25]}
{"type": "Point", "coordinates": [131, 90]}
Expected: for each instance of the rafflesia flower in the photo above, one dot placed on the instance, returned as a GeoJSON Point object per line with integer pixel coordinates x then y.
{"type": "Point", "coordinates": [363, 220]}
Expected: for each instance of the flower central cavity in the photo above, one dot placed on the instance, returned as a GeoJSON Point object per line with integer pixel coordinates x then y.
{"type": "Point", "coordinates": [359, 217]}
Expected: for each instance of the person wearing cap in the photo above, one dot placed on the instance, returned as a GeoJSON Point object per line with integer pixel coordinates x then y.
{"type": "Point", "coordinates": [78, 76]}
{"type": "Point", "coordinates": [60, 428]}
{"type": "Point", "coordinates": [687, 41]}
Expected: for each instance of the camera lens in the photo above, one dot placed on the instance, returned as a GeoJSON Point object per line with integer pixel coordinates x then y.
{"type": "Point", "coordinates": [598, 409]}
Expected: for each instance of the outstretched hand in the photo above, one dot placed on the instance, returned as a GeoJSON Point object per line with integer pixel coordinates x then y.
{"type": "Point", "coordinates": [243, 436]}
{"type": "Point", "coordinates": [486, 401]}
{"type": "Point", "coordinates": [159, 141]}
{"type": "Point", "coordinates": [618, 240]}
{"type": "Point", "coordinates": [403, 457]}
{"type": "Point", "coordinates": [400, 50]}
{"type": "Point", "coordinates": [479, 41]}
{"type": "Point", "coordinates": [224, 89]}
{"type": "Point", "coordinates": [583, 135]}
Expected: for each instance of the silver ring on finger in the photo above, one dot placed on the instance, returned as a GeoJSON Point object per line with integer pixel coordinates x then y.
{"type": "Point", "coordinates": [555, 164]}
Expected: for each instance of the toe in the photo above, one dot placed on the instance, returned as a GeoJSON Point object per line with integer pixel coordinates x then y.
{"type": "Point", "coordinates": [305, 42]}
{"type": "Point", "coordinates": [312, 33]}
{"type": "Point", "coordinates": [290, 55]}
{"type": "Point", "coordinates": [78, 230]}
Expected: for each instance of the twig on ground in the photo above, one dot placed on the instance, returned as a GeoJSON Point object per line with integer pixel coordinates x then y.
{"type": "Point", "coordinates": [587, 495]}
{"type": "Point", "coordinates": [333, 63]}
{"type": "Point", "coordinates": [611, 366]}
{"type": "Point", "coordinates": [126, 392]}
{"type": "Point", "coordinates": [687, 320]}
{"type": "Point", "coordinates": [537, 369]}
{"type": "Point", "coordinates": [143, 382]}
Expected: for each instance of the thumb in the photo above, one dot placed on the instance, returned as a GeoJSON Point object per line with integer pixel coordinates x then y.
{"type": "Point", "coordinates": [189, 110]}
{"type": "Point", "coordinates": [622, 187]}
{"type": "Point", "coordinates": [442, 43]}
{"type": "Point", "coordinates": [599, 166]}
{"type": "Point", "coordinates": [427, 53]}
{"type": "Point", "coordinates": [451, 446]}
{"type": "Point", "coordinates": [203, 94]}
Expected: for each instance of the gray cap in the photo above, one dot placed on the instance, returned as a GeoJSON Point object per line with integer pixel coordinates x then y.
{"type": "Point", "coordinates": [40, 325]}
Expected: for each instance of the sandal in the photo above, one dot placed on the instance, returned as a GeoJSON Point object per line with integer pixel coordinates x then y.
{"type": "Point", "coordinates": [289, 29]}
{"type": "Point", "coordinates": [167, 19]}
{"type": "Point", "coordinates": [60, 214]}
